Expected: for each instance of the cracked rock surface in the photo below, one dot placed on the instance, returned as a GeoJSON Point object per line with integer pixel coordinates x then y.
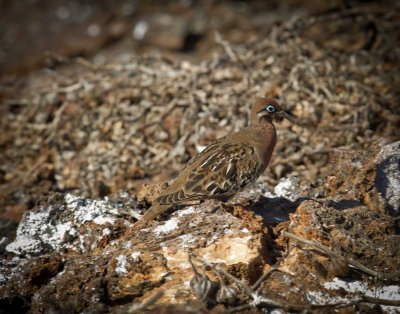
{"type": "Point", "coordinates": [75, 254]}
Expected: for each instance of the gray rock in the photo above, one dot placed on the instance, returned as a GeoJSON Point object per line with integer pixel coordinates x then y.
{"type": "Point", "coordinates": [388, 176]}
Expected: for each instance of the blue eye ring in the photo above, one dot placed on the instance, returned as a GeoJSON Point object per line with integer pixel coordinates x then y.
{"type": "Point", "coordinates": [270, 108]}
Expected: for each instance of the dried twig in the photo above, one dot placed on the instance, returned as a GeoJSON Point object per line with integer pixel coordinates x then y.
{"type": "Point", "coordinates": [13, 102]}
{"type": "Point", "coordinates": [241, 283]}
{"type": "Point", "coordinates": [258, 300]}
{"type": "Point", "coordinates": [228, 49]}
{"type": "Point", "coordinates": [146, 303]}
{"type": "Point", "coordinates": [314, 245]}
{"type": "Point", "coordinates": [263, 277]}
{"type": "Point", "coordinates": [57, 118]}
{"type": "Point", "coordinates": [23, 177]}
{"type": "Point", "coordinates": [262, 301]}
{"type": "Point", "coordinates": [372, 300]}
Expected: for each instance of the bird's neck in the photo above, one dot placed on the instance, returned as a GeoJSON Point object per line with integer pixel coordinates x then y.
{"type": "Point", "coordinates": [262, 134]}
{"type": "Point", "coordinates": [263, 137]}
{"type": "Point", "coordinates": [264, 124]}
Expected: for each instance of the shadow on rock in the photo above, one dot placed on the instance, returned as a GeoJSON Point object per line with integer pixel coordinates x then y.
{"type": "Point", "coordinates": [274, 210]}
{"type": "Point", "coordinates": [344, 204]}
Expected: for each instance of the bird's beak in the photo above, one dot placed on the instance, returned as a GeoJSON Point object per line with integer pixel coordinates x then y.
{"type": "Point", "coordinates": [296, 120]}
{"type": "Point", "coordinates": [291, 118]}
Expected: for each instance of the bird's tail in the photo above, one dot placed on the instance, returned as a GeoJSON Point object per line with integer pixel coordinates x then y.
{"type": "Point", "coordinates": [155, 210]}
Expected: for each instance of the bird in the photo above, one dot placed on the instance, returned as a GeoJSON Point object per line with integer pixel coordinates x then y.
{"type": "Point", "coordinates": [227, 165]}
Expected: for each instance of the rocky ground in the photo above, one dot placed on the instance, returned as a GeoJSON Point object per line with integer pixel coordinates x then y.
{"type": "Point", "coordinates": [87, 142]}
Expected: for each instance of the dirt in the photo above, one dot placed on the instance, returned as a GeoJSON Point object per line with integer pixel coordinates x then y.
{"type": "Point", "coordinates": [113, 98]}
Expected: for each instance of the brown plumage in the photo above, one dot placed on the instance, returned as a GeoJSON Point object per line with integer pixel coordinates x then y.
{"type": "Point", "coordinates": [226, 166]}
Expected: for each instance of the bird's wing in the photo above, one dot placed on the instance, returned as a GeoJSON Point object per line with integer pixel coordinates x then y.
{"type": "Point", "coordinates": [219, 171]}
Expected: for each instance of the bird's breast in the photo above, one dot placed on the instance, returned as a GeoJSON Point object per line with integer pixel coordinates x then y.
{"type": "Point", "coordinates": [265, 141]}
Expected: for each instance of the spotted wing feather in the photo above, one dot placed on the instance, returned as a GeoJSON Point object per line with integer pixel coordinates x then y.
{"type": "Point", "coordinates": [221, 171]}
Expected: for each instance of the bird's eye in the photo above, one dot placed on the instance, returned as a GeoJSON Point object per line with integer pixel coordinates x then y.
{"type": "Point", "coordinates": [270, 108]}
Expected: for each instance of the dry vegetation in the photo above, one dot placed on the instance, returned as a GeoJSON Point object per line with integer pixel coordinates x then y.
{"type": "Point", "coordinates": [95, 130]}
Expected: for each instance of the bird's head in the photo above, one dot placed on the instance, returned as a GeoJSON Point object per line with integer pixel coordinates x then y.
{"type": "Point", "coordinates": [268, 110]}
